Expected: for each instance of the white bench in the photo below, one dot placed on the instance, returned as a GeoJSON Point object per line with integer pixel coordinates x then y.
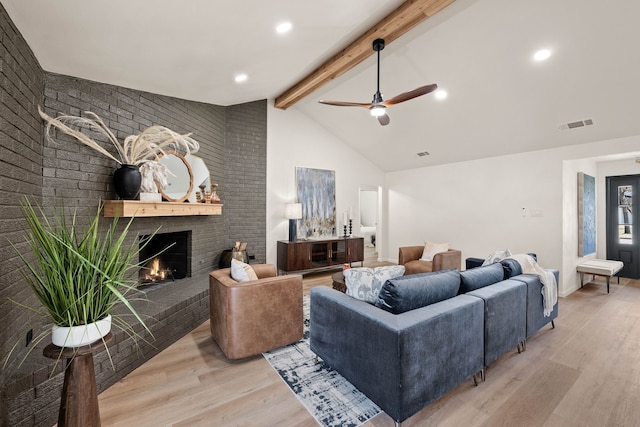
{"type": "Point", "coordinates": [600, 267]}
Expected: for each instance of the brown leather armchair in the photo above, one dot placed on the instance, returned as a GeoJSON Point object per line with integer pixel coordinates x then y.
{"type": "Point", "coordinates": [249, 318]}
{"type": "Point", "coordinates": [409, 256]}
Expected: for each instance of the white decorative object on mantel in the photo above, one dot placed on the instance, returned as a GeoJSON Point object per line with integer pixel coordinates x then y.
{"type": "Point", "coordinates": [78, 336]}
{"type": "Point", "coordinates": [150, 197]}
{"type": "Point", "coordinates": [154, 177]}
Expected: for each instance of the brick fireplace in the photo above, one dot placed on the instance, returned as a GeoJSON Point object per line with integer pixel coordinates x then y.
{"type": "Point", "coordinates": [64, 172]}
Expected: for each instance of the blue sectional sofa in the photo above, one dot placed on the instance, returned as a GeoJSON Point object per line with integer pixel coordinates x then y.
{"type": "Point", "coordinates": [403, 361]}
{"type": "Point", "coordinates": [512, 270]}
{"type": "Point", "coordinates": [426, 334]}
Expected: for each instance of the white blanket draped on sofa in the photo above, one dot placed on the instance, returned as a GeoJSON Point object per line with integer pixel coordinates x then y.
{"type": "Point", "coordinates": [548, 280]}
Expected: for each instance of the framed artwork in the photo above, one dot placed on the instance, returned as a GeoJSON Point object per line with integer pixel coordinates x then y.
{"type": "Point", "coordinates": [316, 191]}
{"type": "Point", "coordinates": [586, 214]}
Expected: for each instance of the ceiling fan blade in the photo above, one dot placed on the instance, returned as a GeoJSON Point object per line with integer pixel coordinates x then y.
{"type": "Point", "coordinates": [346, 104]}
{"type": "Point", "coordinates": [422, 90]}
{"type": "Point", "coordinates": [384, 119]}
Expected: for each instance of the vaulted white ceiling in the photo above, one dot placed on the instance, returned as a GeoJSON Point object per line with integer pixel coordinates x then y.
{"type": "Point", "coordinates": [500, 101]}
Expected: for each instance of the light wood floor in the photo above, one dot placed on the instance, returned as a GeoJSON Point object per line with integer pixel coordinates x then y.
{"type": "Point", "coordinates": [585, 372]}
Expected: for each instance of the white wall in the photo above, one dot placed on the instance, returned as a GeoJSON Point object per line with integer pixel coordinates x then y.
{"type": "Point", "coordinates": [294, 140]}
{"type": "Point", "coordinates": [480, 206]}
{"type": "Point", "coordinates": [477, 206]}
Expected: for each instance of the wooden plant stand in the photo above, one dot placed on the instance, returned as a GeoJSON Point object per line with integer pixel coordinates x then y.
{"type": "Point", "coordinates": [79, 404]}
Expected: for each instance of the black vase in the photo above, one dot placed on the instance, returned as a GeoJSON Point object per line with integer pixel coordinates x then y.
{"type": "Point", "coordinates": [126, 181]}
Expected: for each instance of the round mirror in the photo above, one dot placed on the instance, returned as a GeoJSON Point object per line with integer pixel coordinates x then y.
{"type": "Point", "coordinates": [179, 179]}
{"type": "Point", "coordinates": [200, 175]}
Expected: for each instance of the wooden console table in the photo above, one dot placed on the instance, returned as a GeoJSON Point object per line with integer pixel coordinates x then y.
{"type": "Point", "coordinates": [310, 255]}
{"type": "Point", "coordinates": [79, 404]}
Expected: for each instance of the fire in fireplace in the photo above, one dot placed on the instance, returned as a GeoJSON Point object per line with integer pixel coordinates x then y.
{"type": "Point", "coordinates": [173, 261]}
{"type": "Point", "coordinates": [153, 272]}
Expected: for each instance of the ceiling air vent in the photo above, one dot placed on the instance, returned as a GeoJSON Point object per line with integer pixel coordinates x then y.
{"type": "Point", "coordinates": [578, 124]}
{"type": "Point", "coordinates": [423, 153]}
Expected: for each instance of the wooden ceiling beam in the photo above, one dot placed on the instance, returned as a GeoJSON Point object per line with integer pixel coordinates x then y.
{"type": "Point", "coordinates": [406, 17]}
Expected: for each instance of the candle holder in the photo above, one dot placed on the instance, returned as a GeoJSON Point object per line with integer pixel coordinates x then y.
{"type": "Point", "coordinates": [350, 227]}
{"type": "Point", "coordinates": [345, 231]}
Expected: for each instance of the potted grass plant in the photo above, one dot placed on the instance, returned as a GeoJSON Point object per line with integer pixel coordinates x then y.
{"type": "Point", "coordinates": [79, 273]}
{"type": "Point", "coordinates": [131, 153]}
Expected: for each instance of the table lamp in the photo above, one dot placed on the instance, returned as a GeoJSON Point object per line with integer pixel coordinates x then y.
{"type": "Point", "coordinates": [293, 211]}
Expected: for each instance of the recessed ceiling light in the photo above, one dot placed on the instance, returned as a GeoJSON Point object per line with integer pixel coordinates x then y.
{"type": "Point", "coordinates": [284, 27]}
{"type": "Point", "coordinates": [441, 94]}
{"type": "Point", "coordinates": [241, 78]}
{"type": "Point", "coordinates": [542, 54]}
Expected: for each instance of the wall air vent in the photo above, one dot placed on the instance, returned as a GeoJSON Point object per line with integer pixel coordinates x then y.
{"type": "Point", "coordinates": [574, 125]}
{"type": "Point", "coordinates": [423, 153]}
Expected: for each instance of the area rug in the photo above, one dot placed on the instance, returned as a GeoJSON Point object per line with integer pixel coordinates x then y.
{"type": "Point", "coordinates": [331, 399]}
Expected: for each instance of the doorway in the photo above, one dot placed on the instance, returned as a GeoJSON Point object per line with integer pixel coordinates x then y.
{"type": "Point", "coordinates": [622, 217]}
{"type": "Point", "coordinates": [369, 218]}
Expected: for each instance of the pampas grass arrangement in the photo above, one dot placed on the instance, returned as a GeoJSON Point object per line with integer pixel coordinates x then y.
{"type": "Point", "coordinates": [135, 150]}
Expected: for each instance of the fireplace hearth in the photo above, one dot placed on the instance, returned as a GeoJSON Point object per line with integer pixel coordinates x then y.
{"type": "Point", "coordinates": [168, 257]}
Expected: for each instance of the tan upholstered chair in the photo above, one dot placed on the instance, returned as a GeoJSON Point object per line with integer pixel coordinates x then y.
{"type": "Point", "coordinates": [409, 256]}
{"type": "Point", "coordinates": [249, 318]}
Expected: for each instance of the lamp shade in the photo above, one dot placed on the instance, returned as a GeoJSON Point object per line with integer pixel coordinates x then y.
{"type": "Point", "coordinates": [293, 211]}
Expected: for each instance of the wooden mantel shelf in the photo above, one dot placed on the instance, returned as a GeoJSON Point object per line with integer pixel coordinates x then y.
{"type": "Point", "coordinates": [129, 208]}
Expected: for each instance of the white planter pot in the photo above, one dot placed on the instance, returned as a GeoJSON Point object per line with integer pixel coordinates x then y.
{"type": "Point", "coordinates": [77, 336]}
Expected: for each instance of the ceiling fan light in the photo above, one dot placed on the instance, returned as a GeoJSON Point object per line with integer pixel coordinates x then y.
{"type": "Point", "coordinates": [542, 55]}
{"type": "Point", "coordinates": [377, 110]}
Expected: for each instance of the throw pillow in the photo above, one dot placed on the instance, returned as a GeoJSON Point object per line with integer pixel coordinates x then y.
{"type": "Point", "coordinates": [480, 277]}
{"type": "Point", "coordinates": [430, 249]}
{"type": "Point", "coordinates": [242, 272]}
{"type": "Point", "coordinates": [511, 267]}
{"type": "Point", "coordinates": [364, 283]}
{"type": "Point", "coordinates": [418, 290]}
{"type": "Point", "coordinates": [496, 256]}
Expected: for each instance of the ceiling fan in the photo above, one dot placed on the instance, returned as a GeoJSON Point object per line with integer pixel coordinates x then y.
{"type": "Point", "coordinates": [378, 107]}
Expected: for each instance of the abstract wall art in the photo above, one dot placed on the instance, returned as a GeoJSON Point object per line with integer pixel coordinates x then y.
{"type": "Point", "coordinates": [586, 214]}
{"type": "Point", "coordinates": [316, 191]}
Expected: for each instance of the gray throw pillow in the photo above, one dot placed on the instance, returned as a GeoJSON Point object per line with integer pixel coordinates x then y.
{"type": "Point", "coordinates": [480, 277]}
{"type": "Point", "coordinates": [418, 290]}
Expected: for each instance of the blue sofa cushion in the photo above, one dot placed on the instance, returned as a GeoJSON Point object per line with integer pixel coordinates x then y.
{"type": "Point", "coordinates": [480, 277]}
{"type": "Point", "coordinates": [511, 268]}
{"type": "Point", "coordinates": [418, 290]}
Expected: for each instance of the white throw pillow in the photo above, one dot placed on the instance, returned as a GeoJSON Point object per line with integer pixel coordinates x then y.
{"type": "Point", "coordinates": [364, 283]}
{"type": "Point", "coordinates": [242, 272]}
{"type": "Point", "coordinates": [430, 249]}
{"type": "Point", "coordinates": [497, 256]}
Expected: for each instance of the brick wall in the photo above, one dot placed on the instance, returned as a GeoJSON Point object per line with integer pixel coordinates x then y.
{"type": "Point", "coordinates": [78, 175]}
{"type": "Point", "coordinates": [21, 89]}
{"type": "Point", "coordinates": [246, 169]}
{"type": "Point", "coordinates": [233, 145]}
